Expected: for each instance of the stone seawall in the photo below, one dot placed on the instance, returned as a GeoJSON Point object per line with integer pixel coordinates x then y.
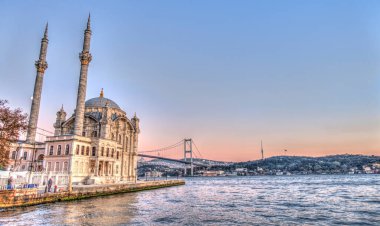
{"type": "Point", "coordinates": [28, 197]}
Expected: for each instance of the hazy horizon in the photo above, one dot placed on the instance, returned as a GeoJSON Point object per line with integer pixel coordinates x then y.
{"type": "Point", "coordinates": [299, 75]}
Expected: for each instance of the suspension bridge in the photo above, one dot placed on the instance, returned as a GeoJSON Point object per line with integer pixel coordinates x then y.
{"type": "Point", "coordinates": [186, 146]}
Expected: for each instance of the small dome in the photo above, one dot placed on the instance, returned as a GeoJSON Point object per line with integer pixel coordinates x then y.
{"type": "Point", "coordinates": [101, 102]}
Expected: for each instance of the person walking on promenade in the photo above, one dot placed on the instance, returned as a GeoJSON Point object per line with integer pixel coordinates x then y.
{"type": "Point", "coordinates": [10, 182]}
{"type": "Point", "coordinates": [50, 183]}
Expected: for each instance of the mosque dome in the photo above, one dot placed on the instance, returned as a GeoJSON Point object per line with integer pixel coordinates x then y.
{"type": "Point", "coordinates": [101, 101]}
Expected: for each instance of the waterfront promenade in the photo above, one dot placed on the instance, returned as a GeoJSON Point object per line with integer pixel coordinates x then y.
{"type": "Point", "coordinates": [27, 197]}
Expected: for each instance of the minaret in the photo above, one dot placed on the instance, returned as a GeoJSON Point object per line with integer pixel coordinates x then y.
{"type": "Point", "coordinates": [85, 58]}
{"type": "Point", "coordinates": [61, 118]}
{"type": "Point", "coordinates": [41, 66]}
{"type": "Point", "coordinates": [262, 151]}
{"type": "Point", "coordinates": [136, 123]}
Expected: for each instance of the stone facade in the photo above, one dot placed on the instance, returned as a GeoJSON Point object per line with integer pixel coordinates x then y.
{"type": "Point", "coordinates": [26, 156]}
{"type": "Point", "coordinates": [98, 143]}
{"type": "Point", "coordinates": [107, 149]}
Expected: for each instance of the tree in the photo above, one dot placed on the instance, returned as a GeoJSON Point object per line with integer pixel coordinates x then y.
{"type": "Point", "coordinates": [12, 123]}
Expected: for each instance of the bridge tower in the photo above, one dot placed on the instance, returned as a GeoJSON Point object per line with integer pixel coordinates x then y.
{"type": "Point", "coordinates": [188, 153]}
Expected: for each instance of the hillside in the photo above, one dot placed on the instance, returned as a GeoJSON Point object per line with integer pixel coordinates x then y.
{"type": "Point", "coordinates": [326, 164]}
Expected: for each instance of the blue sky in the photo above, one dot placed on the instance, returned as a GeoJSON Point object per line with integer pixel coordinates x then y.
{"type": "Point", "coordinates": [301, 75]}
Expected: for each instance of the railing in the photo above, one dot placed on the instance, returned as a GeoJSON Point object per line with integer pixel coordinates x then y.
{"type": "Point", "coordinates": [20, 186]}
{"type": "Point", "coordinates": [39, 179]}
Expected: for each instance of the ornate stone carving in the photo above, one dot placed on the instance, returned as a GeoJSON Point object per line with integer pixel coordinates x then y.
{"type": "Point", "coordinates": [41, 65]}
{"type": "Point", "coordinates": [85, 58]}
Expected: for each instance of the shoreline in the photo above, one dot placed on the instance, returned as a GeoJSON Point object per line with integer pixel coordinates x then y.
{"type": "Point", "coordinates": [29, 197]}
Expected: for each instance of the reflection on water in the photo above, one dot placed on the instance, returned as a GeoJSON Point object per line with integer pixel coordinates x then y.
{"type": "Point", "coordinates": [313, 200]}
{"type": "Point", "coordinates": [118, 209]}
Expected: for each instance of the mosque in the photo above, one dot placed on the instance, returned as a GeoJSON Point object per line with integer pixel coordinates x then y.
{"type": "Point", "coordinates": [98, 142]}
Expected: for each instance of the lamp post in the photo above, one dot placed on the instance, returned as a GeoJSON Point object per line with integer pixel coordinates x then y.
{"type": "Point", "coordinates": [17, 151]}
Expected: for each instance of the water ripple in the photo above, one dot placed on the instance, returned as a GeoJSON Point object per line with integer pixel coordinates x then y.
{"type": "Point", "coordinates": [267, 200]}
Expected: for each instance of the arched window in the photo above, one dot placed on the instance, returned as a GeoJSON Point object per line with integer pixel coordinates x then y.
{"type": "Point", "coordinates": [59, 150]}
{"type": "Point", "coordinates": [82, 150]}
{"type": "Point", "coordinates": [93, 151]}
{"type": "Point", "coordinates": [67, 150]}
{"type": "Point", "coordinates": [77, 151]}
{"type": "Point", "coordinates": [117, 155]}
{"type": "Point", "coordinates": [113, 136]}
{"type": "Point", "coordinates": [113, 150]}
{"type": "Point", "coordinates": [126, 143]}
{"type": "Point", "coordinates": [119, 139]}
{"type": "Point", "coordinates": [13, 154]}
{"type": "Point", "coordinates": [87, 150]}
{"type": "Point", "coordinates": [41, 157]}
{"type": "Point", "coordinates": [51, 150]}
{"type": "Point", "coordinates": [83, 134]}
{"type": "Point", "coordinates": [102, 151]}
{"type": "Point", "coordinates": [94, 134]}
{"type": "Point", "coordinates": [25, 155]}
{"type": "Point", "coordinates": [108, 152]}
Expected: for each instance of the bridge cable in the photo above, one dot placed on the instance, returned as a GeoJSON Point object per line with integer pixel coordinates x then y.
{"type": "Point", "coordinates": [164, 148]}
{"type": "Point", "coordinates": [197, 149]}
{"type": "Point", "coordinates": [161, 149]}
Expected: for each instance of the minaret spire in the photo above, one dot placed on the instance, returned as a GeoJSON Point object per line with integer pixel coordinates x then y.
{"type": "Point", "coordinates": [46, 30]}
{"type": "Point", "coordinates": [41, 66]}
{"type": "Point", "coordinates": [88, 22]}
{"type": "Point", "coordinates": [262, 151]}
{"type": "Point", "coordinates": [85, 59]}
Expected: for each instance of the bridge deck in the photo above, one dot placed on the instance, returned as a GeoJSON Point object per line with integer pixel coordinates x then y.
{"type": "Point", "coordinates": [173, 160]}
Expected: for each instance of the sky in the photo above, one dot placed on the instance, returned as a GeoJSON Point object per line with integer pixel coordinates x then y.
{"type": "Point", "coordinates": [299, 75]}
